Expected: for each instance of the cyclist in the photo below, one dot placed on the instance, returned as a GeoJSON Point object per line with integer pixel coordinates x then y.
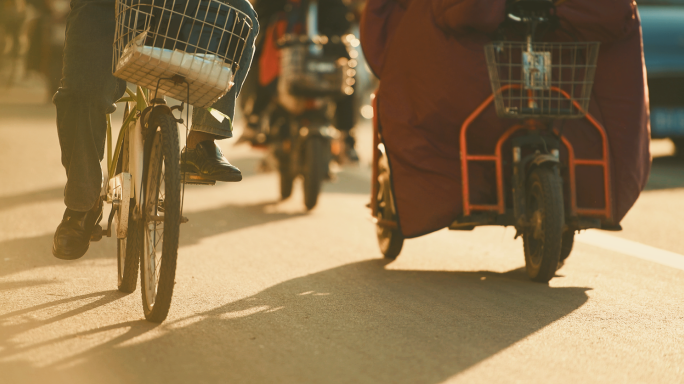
{"type": "Point", "coordinates": [431, 63]}
{"type": "Point", "coordinates": [335, 19]}
{"type": "Point", "coordinates": [89, 91]}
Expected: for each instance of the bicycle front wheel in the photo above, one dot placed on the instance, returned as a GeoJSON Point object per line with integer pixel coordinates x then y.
{"type": "Point", "coordinates": [160, 217]}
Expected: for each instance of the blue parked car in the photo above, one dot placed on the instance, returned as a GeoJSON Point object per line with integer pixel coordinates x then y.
{"type": "Point", "coordinates": [663, 29]}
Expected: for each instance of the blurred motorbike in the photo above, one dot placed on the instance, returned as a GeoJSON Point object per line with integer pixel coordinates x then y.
{"type": "Point", "coordinates": [314, 71]}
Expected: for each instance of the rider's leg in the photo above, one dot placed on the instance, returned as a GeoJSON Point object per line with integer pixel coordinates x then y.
{"type": "Point", "coordinates": [261, 100]}
{"type": "Point", "coordinates": [345, 119]}
{"type": "Point", "coordinates": [87, 93]}
{"type": "Point", "coordinates": [203, 155]}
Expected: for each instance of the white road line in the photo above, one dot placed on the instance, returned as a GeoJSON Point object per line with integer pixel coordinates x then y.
{"type": "Point", "coordinates": [631, 248]}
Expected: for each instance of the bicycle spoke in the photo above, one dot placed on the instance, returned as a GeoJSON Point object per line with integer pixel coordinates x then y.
{"type": "Point", "coordinates": [159, 239]}
{"type": "Point", "coordinates": [159, 226]}
{"type": "Point", "coordinates": [158, 269]}
{"type": "Point", "coordinates": [162, 186]}
{"type": "Point", "coordinates": [155, 232]}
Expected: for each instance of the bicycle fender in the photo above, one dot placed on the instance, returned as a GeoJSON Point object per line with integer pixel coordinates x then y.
{"type": "Point", "coordinates": [149, 113]}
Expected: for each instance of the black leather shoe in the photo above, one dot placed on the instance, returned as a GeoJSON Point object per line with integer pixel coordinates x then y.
{"type": "Point", "coordinates": [208, 161]}
{"type": "Point", "coordinates": [72, 237]}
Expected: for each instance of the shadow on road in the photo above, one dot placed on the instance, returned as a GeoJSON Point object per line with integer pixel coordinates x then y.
{"type": "Point", "coordinates": [24, 320]}
{"type": "Point", "coordinates": [13, 201]}
{"type": "Point", "coordinates": [351, 181]}
{"type": "Point", "coordinates": [11, 285]}
{"type": "Point", "coordinates": [227, 219]}
{"type": "Point", "coordinates": [348, 182]}
{"type": "Point", "coordinates": [360, 322]}
{"type": "Point", "coordinates": [666, 173]}
{"type": "Point", "coordinates": [22, 254]}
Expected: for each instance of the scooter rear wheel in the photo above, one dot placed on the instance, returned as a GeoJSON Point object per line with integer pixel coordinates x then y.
{"type": "Point", "coordinates": [390, 240]}
{"type": "Point", "coordinates": [286, 178]}
{"type": "Point", "coordinates": [314, 169]}
{"type": "Point", "coordinates": [542, 239]}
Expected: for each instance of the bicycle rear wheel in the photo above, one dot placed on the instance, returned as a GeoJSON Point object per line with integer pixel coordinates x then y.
{"type": "Point", "coordinates": [128, 252]}
{"type": "Point", "coordinates": [160, 219]}
{"type": "Point", "coordinates": [128, 249]}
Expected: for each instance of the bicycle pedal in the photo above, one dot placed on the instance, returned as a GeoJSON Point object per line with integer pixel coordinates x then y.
{"type": "Point", "coordinates": [194, 178]}
{"type": "Point", "coordinates": [96, 234]}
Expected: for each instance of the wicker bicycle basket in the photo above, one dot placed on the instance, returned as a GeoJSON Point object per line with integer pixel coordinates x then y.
{"type": "Point", "coordinates": [547, 80]}
{"type": "Point", "coordinates": [172, 45]}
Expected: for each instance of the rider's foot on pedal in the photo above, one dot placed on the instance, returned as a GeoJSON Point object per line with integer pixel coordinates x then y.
{"type": "Point", "coordinates": [72, 237]}
{"type": "Point", "coordinates": [207, 160]}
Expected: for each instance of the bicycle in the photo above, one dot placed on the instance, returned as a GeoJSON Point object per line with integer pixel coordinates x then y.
{"type": "Point", "coordinates": [179, 50]}
{"type": "Point", "coordinates": [539, 83]}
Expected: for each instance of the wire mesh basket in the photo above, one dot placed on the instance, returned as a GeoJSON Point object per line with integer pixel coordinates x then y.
{"type": "Point", "coordinates": [552, 80]}
{"type": "Point", "coordinates": [172, 45]}
{"type": "Point", "coordinates": [307, 71]}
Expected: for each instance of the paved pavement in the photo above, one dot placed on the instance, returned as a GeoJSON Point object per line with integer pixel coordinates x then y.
{"type": "Point", "coordinates": [268, 293]}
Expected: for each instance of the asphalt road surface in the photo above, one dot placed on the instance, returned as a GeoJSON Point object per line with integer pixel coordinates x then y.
{"type": "Point", "coordinates": [269, 293]}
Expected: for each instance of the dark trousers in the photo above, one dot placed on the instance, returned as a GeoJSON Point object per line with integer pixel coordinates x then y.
{"type": "Point", "coordinates": [89, 91]}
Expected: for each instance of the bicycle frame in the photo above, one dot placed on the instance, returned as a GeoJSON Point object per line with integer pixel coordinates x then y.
{"type": "Point", "coordinates": [120, 188]}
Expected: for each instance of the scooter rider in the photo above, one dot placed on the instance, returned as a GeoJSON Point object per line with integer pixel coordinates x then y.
{"type": "Point", "coordinates": [88, 93]}
{"type": "Point", "coordinates": [335, 19]}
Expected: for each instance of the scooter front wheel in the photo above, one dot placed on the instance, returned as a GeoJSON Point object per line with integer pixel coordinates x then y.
{"type": "Point", "coordinates": [542, 238]}
{"type": "Point", "coordinates": [568, 242]}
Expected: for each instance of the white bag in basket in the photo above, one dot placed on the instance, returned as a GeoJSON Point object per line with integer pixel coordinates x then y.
{"type": "Point", "coordinates": [205, 71]}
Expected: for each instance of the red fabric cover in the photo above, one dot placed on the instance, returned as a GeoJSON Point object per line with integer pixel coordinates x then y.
{"type": "Point", "coordinates": [430, 59]}
{"type": "Point", "coordinates": [269, 62]}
